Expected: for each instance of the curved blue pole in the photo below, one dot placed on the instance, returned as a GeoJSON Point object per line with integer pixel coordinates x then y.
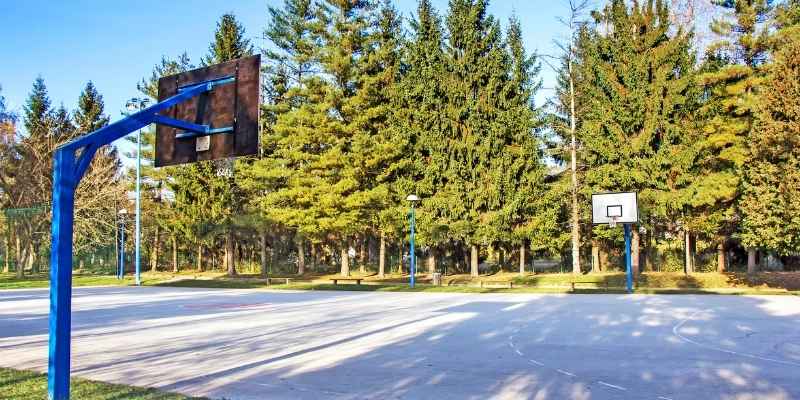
{"type": "Point", "coordinates": [70, 163]}
{"type": "Point", "coordinates": [628, 269]}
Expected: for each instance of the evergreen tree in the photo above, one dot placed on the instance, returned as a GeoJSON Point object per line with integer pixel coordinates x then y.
{"type": "Point", "coordinates": [159, 212]}
{"type": "Point", "coordinates": [101, 188]}
{"type": "Point", "coordinates": [638, 75]}
{"type": "Point", "coordinates": [201, 192]}
{"type": "Point", "coordinates": [475, 59]}
{"type": "Point", "coordinates": [744, 48]}
{"type": "Point", "coordinates": [89, 115]}
{"type": "Point", "coordinates": [230, 41]}
{"type": "Point", "coordinates": [519, 168]}
{"type": "Point", "coordinates": [417, 125]}
{"type": "Point", "coordinates": [291, 31]}
{"type": "Point", "coordinates": [771, 215]}
{"type": "Point", "coordinates": [324, 138]}
{"type": "Point", "coordinates": [36, 112]}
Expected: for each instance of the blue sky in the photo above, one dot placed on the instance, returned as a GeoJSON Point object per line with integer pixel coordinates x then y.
{"type": "Point", "coordinates": [115, 43]}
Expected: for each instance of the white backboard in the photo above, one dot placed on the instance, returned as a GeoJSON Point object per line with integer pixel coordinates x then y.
{"type": "Point", "coordinates": [622, 205]}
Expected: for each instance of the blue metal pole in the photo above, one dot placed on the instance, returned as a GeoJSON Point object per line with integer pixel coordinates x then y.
{"type": "Point", "coordinates": [138, 207]}
{"type": "Point", "coordinates": [413, 258]}
{"type": "Point", "coordinates": [67, 173]}
{"type": "Point", "coordinates": [122, 253]}
{"type": "Point", "coordinates": [64, 184]}
{"type": "Point", "coordinates": [628, 269]}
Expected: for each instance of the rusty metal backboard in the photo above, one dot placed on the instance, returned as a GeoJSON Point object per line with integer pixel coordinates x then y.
{"type": "Point", "coordinates": [235, 104]}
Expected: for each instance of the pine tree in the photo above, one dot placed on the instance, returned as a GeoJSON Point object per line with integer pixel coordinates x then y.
{"type": "Point", "coordinates": [101, 188]}
{"type": "Point", "coordinates": [378, 149]}
{"type": "Point", "coordinates": [89, 115]}
{"type": "Point", "coordinates": [324, 138]}
{"type": "Point", "coordinates": [214, 200]}
{"type": "Point", "coordinates": [771, 215]}
{"type": "Point", "coordinates": [519, 167]}
{"type": "Point", "coordinates": [291, 31]}
{"type": "Point", "coordinates": [288, 64]}
{"type": "Point", "coordinates": [230, 42]}
{"type": "Point", "coordinates": [744, 47]}
{"type": "Point", "coordinates": [417, 126]}
{"type": "Point", "coordinates": [638, 75]}
{"type": "Point", "coordinates": [37, 109]}
{"type": "Point", "coordinates": [159, 212]}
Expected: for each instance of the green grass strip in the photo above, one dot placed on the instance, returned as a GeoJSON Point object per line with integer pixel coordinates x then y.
{"type": "Point", "coordinates": [28, 385]}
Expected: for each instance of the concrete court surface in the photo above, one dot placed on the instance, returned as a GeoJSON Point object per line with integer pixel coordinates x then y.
{"type": "Point", "coordinates": [258, 344]}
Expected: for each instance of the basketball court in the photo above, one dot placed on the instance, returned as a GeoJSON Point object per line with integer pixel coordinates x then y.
{"type": "Point", "coordinates": [257, 344]}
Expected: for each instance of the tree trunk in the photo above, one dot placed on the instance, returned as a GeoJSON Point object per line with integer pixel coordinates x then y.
{"type": "Point", "coordinates": [200, 257]}
{"type": "Point", "coordinates": [264, 260]}
{"type": "Point", "coordinates": [400, 259]}
{"type": "Point", "coordinates": [174, 253]}
{"type": "Point", "coordinates": [6, 255]}
{"type": "Point", "coordinates": [345, 260]}
{"type": "Point", "coordinates": [431, 261]}
{"type": "Point", "coordinates": [752, 267]}
{"type": "Point", "coordinates": [31, 260]}
{"type": "Point", "coordinates": [301, 257]}
{"type": "Point", "coordinates": [575, 217]}
{"type": "Point", "coordinates": [230, 261]}
{"type": "Point", "coordinates": [473, 260]}
{"type": "Point", "coordinates": [596, 267]}
{"type": "Point", "coordinates": [382, 257]}
{"type": "Point", "coordinates": [688, 264]}
{"type": "Point", "coordinates": [465, 253]}
{"type": "Point", "coordinates": [313, 256]}
{"type": "Point", "coordinates": [522, 259]}
{"type": "Point", "coordinates": [362, 256]}
{"type": "Point", "coordinates": [721, 257]}
{"type": "Point", "coordinates": [154, 253]}
{"type": "Point", "coordinates": [635, 250]}
{"type": "Point", "coordinates": [21, 258]}
{"type": "Point", "coordinates": [653, 252]}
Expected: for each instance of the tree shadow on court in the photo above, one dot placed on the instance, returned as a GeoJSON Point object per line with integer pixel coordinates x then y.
{"type": "Point", "coordinates": [579, 346]}
{"type": "Point", "coordinates": [458, 346]}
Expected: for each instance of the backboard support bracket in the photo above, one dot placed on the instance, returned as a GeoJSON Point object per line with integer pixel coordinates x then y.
{"type": "Point", "coordinates": [70, 163]}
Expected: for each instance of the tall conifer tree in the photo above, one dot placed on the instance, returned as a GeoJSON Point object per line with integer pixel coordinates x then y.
{"type": "Point", "coordinates": [743, 48]}
{"type": "Point", "coordinates": [638, 74]}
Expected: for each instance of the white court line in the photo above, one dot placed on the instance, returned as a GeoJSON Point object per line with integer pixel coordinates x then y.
{"type": "Point", "coordinates": [519, 352]}
{"type": "Point", "coordinates": [680, 324]}
{"type": "Point", "coordinates": [534, 362]}
{"type": "Point", "coordinates": [664, 398]}
{"type": "Point", "coordinates": [566, 372]}
{"type": "Point", "coordinates": [611, 386]}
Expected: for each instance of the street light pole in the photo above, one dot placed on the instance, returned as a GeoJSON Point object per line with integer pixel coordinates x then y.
{"type": "Point", "coordinates": [121, 270]}
{"type": "Point", "coordinates": [138, 207]}
{"type": "Point", "coordinates": [413, 199]}
{"type": "Point", "coordinates": [136, 105]}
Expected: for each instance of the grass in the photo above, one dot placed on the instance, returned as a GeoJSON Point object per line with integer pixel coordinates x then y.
{"type": "Point", "coordinates": [237, 283]}
{"type": "Point", "coordinates": [649, 282]}
{"type": "Point", "coordinates": [28, 385]}
{"type": "Point", "coordinates": [42, 280]}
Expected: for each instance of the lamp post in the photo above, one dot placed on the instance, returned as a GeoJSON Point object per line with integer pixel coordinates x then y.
{"type": "Point", "coordinates": [134, 105]}
{"type": "Point", "coordinates": [413, 199]}
{"type": "Point", "coordinates": [121, 268]}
